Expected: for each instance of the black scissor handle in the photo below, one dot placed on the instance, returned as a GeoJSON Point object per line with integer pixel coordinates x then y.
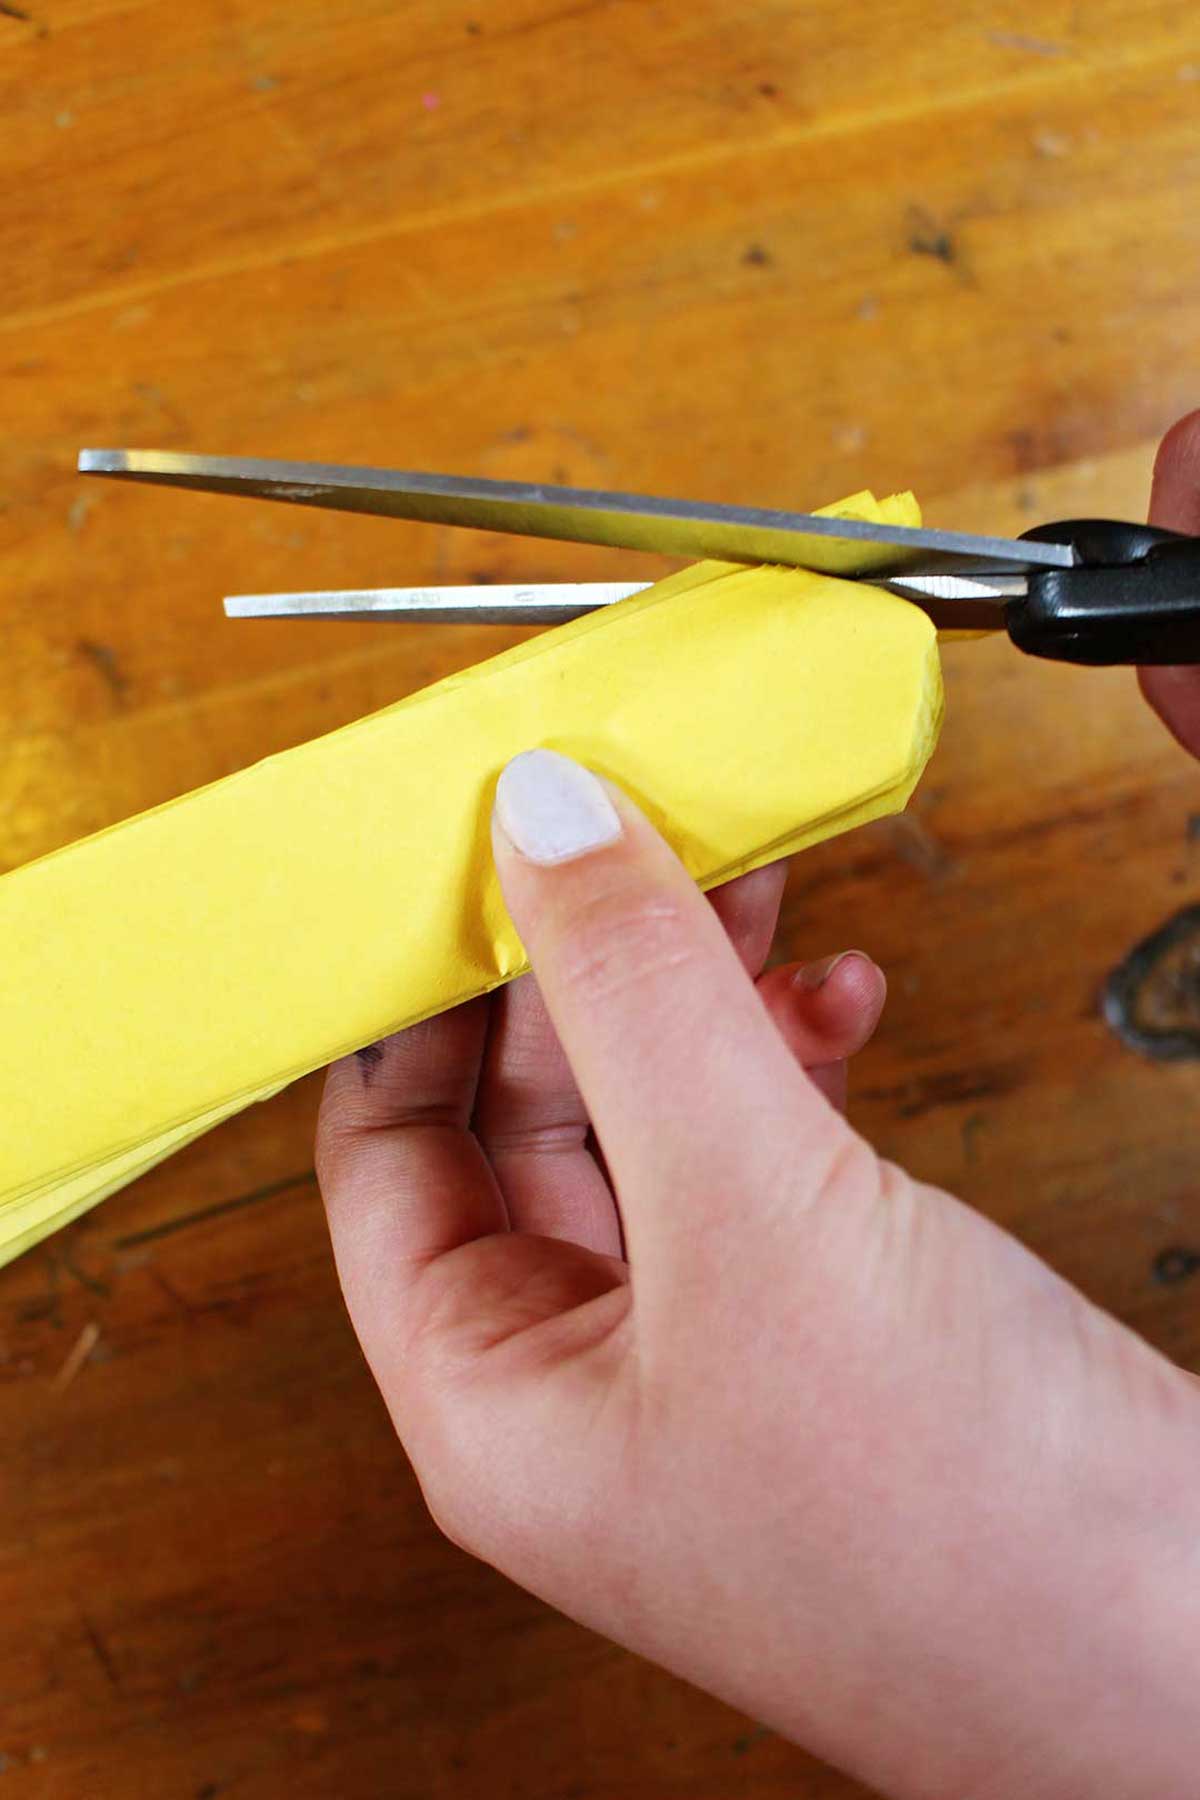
{"type": "Point", "coordinates": [1104, 543]}
{"type": "Point", "coordinates": [1133, 597]}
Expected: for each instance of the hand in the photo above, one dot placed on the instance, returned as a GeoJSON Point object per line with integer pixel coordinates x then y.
{"type": "Point", "coordinates": [827, 1442]}
{"type": "Point", "coordinates": [1174, 693]}
{"type": "Point", "coordinates": [734, 1391]}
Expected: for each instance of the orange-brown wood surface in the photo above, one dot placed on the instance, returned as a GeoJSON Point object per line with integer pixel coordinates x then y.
{"type": "Point", "coordinates": [757, 251]}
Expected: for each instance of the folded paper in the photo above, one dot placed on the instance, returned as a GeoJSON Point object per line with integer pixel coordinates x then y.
{"type": "Point", "coordinates": [175, 968]}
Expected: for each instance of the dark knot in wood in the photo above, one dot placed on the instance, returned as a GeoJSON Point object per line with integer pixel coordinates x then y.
{"type": "Point", "coordinates": [1152, 1001]}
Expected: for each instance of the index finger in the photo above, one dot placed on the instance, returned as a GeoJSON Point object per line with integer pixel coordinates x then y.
{"type": "Point", "coordinates": [1174, 691]}
{"type": "Point", "coordinates": [1175, 495]}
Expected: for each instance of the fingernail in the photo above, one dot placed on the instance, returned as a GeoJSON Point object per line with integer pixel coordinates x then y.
{"type": "Point", "coordinates": [552, 809]}
{"type": "Point", "coordinates": [814, 975]}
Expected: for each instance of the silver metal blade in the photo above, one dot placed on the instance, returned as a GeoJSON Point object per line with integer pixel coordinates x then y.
{"type": "Point", "coordinates": [830, 544]}
{"type": "Point", "coordinates": [993, 590]}
{"type": "Point", "coordinates": [960, 602]}
{"type": "Point", "coordinates": [953, 602]}
{"type": "Point", "coordinates": [550, 603]}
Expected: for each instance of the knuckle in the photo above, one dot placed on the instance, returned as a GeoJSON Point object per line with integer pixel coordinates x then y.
{"type": "Point", "coordinates": [845, 1170]}
{"type": "Point", "coordinates": [330, 1146]}
{"type": "Point", "coordinates": [539, 1137]}
{"type": "Point", "coordinates": [616, 941]}
{"type": "Point", "coordinates": [339, 1137]}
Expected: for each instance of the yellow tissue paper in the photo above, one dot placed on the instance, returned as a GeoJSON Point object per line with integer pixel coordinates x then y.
{"type": "Point", "coordinates": [202, 955]}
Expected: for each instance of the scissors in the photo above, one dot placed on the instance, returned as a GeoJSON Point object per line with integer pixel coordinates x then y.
{"type": "Point", "coordinates": [1091, 591]}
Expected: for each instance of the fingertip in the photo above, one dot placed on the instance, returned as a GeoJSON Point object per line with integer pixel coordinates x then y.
{"type": "Point", "coordinates": [1175, 495]}
{"type": "Point", "coordinates": [827, 1010]}
{"type": "Point", "coordinates": [854, 981]}
{"type": "Point", "coordinates": [848, 984]}
{"type": "Point", "coordinates": [549, 810]}
{"type": "Point", "coordinates": [848, 1005]}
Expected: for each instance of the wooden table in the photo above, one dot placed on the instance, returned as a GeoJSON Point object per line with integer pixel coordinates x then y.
{"type": "Point", "coordinates": [758, 251]}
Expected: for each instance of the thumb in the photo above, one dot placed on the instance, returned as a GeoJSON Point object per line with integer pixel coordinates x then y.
{"type": "Point", "coordinates": [688, 1084]}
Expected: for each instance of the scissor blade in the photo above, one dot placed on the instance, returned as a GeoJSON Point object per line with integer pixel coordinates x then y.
{"type": "Point", "coordinates": [966, 601]}
{"type": "Point", "coordinates": [953, 602]}
{"type": "Point", "coordinates": [994, 589]}
{"type": "Point", "coordinates": [551, 603]}
{"type": "Point", "coordinates": [831, 544]}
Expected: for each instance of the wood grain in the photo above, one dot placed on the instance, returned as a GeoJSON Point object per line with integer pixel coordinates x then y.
{"type": "Point", "coordinates": [759, 252]}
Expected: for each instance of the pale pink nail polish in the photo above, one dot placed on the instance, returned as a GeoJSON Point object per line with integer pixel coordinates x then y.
{"type": "Point", "coordinates": [552, 809]}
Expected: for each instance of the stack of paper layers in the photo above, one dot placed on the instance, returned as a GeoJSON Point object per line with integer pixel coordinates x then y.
{"type": "Point", "coordinates": [171, 970]}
